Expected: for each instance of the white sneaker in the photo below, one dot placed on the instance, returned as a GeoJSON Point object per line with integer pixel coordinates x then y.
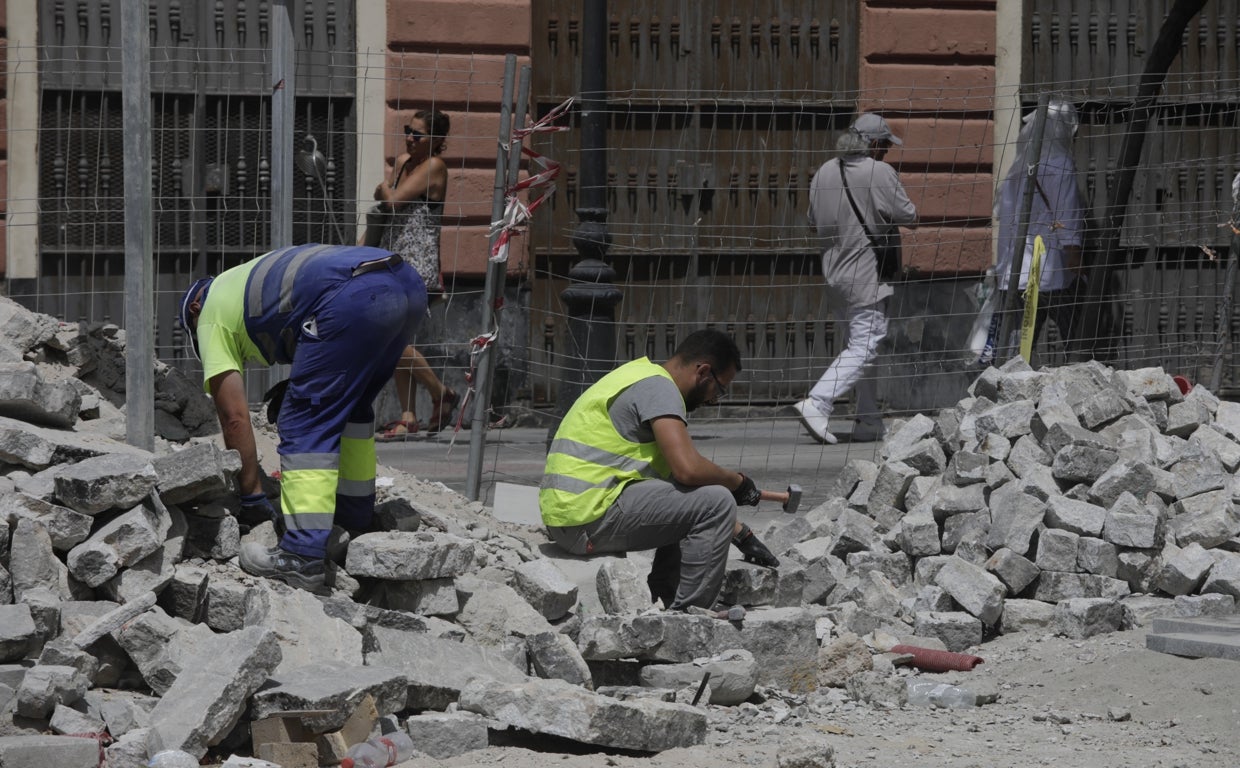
{"type": "Point", "coordinates": [815, 421]}
{"type": "Point", "coordinates": [868, 431]}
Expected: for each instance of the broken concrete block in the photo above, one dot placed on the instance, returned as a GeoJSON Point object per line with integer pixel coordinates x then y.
{"type": "Point", "coordinates": [1097, 556]}
{"type": "Point", "coordinates": [335, 686]}
{"type": "Point", "coordinates": [401, 555]}
{"type": "Point", "coordinates": [428, 597]}
{"type": "Point", "coordinates": [555, 656]}
{"type": "Point", "coordinates": [121, 542]}
{"type": "Point", "coordinates": [67, 721]}
{"type": "Point", "coordinates": [447, 734]}
{"type": "Point", "coordinates": [26, 395]}
{"type": "Point", "coordinates": [305, 633]}
{"type": "Point", "coordinates": [208, 697]}
{"type": "Point", "coordinates": [46, 750]}
{"type": "Point", "coordinates": [973, 588]}
{"type": "Point", "coordinates": [492, 611]}
{"type": "Point", "coordinates": [1184, 570]}
{"type": "Point", "coordinates": [1014, 516]}
{"type": "Point", "coordinates": [1081, 463]}
{"type": "Point", "coordinates": [437, 668]}
{"type": "Point", "coordinates": [66, 527]}
{"type": "Point", "coordinates": [733, 675]}
{"type": "Point", "coordinates": [544, 586]}
{"type": "Point", "coordinates": [1083, 617]}
{"type": "Point", "coordinates": [1015, 571]}
{"type": "Point", "coordinates": [33, 564]}
{"type": "Point", "coordinates": [46, 685]}
{"type": "Point", "coordinates": [557, 708]}
{"type": "Point", "coordinates": [1027, 616]}
{"type": "Point", "coordinates": [111, 481]}
{"type": "Point", "coordinates": [1057, 550]}
{"type": "Point", "coordinates": [622, 587]}
{"type": "Point", "coordinates": [198, 471]}
{"type": "Point", "coordinates": [1079, 517]}
{"type": "Point", "coordinates": [957, 630]}
{"type": "Point", "coordinates": [18, 633]}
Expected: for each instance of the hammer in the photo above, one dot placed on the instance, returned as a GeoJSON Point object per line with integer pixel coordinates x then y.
{"type": "Point", "coordinates": [789, 499]}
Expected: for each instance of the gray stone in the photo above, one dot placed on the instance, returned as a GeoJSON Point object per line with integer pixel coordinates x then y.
{"type": "Point", "coordinates": [121, 542]}
{"type": "Point", "coordinates": [18, 633]}
{"type": "Point", "coordinates": [212, 538]}
{"type": "Point", "coordinates": [1134, 477]}
{"type": "Point", "coordinates": [973, 588]}
{"type": "Point", "coordinates": [622, 588]}
{"type": "Point", "coordinates": [31, 750]}
{"type": "Point", "coordinates": [1027, 616]}
{"type": "Point", "coordinates": [113, 620]}
{"type": "Point", "coordinates": [1208, 519]}
{"type": "Point", "coordinates": [920, 535]}
{"type": "Point", "coordinates": [920, 491]}
{"type": "Point", "coordinates": [782, 641]}
{"type": "Point", "coordinates": [1097, 556]}
{"type": "Point", "coordinates": [890, 486]}
{"type": "Point", "coordinates": [1139, 445]}
{"type": "Point", "coordinates": [1015, 571]}
{"type": "Point", "coordinates": [925, 456]}
{"type": "Point", "coordinates": [1129, 529]}
{"type": "Point", "coordinates": [1055, 586]}
{"type": "Point", "coordinates": [67, 721]}
{"type": "Point", "coordinates": [1138, 569]}
{"type": "Point", "coordinates": [37, 448]}
{"type": "Point", "coordinates": [129, 751]}
{"type": "Point", "coordinates": [112, 481]}
{"type": "Point", "coordinates": [1062, 434]}
{"type": "Point", "coordinates": [428, 597]}
{"type": "Point", "coordinates": [33, 564]}
{"type": "Point", "coordinates": [1213, 604]}
{"type": "Point", "coordinates": [121, 711]}
{"type": "Point", "coordinates": [437, 668]}
{"type": "Point", "coordinates": [1101, 408]}
{"type": "Point", "coordinates": [733, 675]}
{"type": "Point", "coordinates": [1152, 384]}
{"type": "Point", "coordinates": [1227, 418]}
{"type": "Point", "coordinates": [198, 471]}
{"type": "Point", "coordinates": [491, 611]}
{"type": "Point", "coordinates": [1183, 419]}
{"type": "Point", "coordinates": [1014, 516]}
{"type": "Point", "coordinates": [27, 396]}
{"type": "Point", "coordinates": [1011, 420]}
{"type": "Point", "coordinates": [1213, 442]}
{"type": "Point", "coordinates": [842, 658]}
{"type": "Point", "coordinates": [332, 686]}
{"type": "Point", "coordinates": [969, 467]}
{"type": "Point", "coordinates": [1021, 385]}
{"type": "Point", "coordinates": [1057, 550]}
{"type": "Point", "coordinates": [161, 646]}
{"type": "Point", "coordinates": [304, 632]}
{"type": "Point", "coordinates": [153, 572]}
{"type": "Point", "coordinates": [556, 708]}
{"type": "Point", "coordinates": [854, 473]}
{"type": "Point", "coordinates": [66, 527]}
{"type": "Point", "coordinates": [1197, 473]}
{"type": "Point", "coordinates": [932, 598]}
{"type": "Point", "coordinates": [404, 555]}
{"type": "Point", "coordinates": [949, 500]}
{"type": "Point", "coordinates": [544, 586]}
{"type": "Point", "coordinates": [66, 654]}
{"type": "Point", "coordinates": [748, 584]}
{"type": "Point", "coordinates": [46, 685]}
{"type": "Point", "coordinates": [555, 656]}
{"type": "Point", "coordinates": [927, 568]}
{"type": "Point", "coordinates": [966, 527]}
{"type": "Point", "coordinates": [447, 734]}
{"type": "Point", "coordinates": [957, 630]}
{"type": "Point", "coordinates": [1079, 517]}
{"type": "Point", "coordinates": [208, 697]}
{"type": "Point", "coordinates": [1184, 570]}
{"type": "Point", "coordinates": [1224, 577]}
{"type": "Point", "coordinates": [1082, 463]}
{"type": "Point", "coordinates": [913, 431]}
{"type": "Point", "coordinates": [894, 565]}
{"type": "Point", "coordinates": [805, 751]}
{"type": "Point", "coordinates": [1083, 617]}
{"type": "Point", "coordinates": [854, 532]}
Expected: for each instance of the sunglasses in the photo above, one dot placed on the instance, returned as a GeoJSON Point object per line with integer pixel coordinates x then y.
{"type": "Point", "coordinates": [416, 134]}
{"type": "Point", "coordinates": [721, 392]}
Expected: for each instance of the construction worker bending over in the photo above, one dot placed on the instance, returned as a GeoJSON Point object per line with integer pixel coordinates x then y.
{"type": "Point", "coordinates": [623, 474]}
{"type": "Point", "coordinates": [341, 316]}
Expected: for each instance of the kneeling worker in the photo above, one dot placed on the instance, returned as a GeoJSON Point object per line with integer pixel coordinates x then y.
{"type": "Point", "coordinates": [623, 474]}
{"type": "Point", "coordinates": [341, 316]}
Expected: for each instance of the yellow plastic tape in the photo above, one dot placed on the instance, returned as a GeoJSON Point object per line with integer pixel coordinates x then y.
{"type": "Point", "coordinates": [1028, 323]}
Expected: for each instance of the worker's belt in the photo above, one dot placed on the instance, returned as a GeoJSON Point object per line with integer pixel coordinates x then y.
{"type": "Point", "coordinates": [387, 262]}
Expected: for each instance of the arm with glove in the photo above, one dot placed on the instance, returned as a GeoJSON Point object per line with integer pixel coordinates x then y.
{"type": "Point", "coordinates": [753, 550]}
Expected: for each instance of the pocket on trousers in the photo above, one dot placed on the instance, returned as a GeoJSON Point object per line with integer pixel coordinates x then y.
{"type": "Point", "coordinates": [316, 389]}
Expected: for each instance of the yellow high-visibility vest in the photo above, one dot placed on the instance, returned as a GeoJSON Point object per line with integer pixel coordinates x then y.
{"type": "Point", "coordinates": [589, 463]}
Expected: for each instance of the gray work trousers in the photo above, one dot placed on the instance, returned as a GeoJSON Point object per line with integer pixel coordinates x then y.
{"type": "Point", "coordinates": [690, 529]}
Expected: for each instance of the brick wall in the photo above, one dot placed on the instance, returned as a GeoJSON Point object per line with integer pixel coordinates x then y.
{"type": "Point", "coordinates": [930, 67]}
{"type": "Point", "coordinates": [450, 55]}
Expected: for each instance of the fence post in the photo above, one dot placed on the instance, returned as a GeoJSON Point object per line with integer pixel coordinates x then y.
{"type": "Point", "coordinates": [283, 94]}
{"type": "Point", "coordinates": [139, 292]}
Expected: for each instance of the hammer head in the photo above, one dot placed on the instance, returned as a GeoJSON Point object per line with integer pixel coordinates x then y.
{"type": "Point", "coordinates": [794, 498]}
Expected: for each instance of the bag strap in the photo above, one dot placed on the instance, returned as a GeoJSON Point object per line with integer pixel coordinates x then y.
{"type": "Point", "coordinates": [855, 209]}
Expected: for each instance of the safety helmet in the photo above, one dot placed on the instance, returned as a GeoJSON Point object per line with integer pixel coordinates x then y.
{"type": "Point", "coordinates": [202, 284]}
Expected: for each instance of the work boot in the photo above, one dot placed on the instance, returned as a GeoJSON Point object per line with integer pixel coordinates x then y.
{"type": "Point", "coordinates": [816, 422]}
{"type": "Point", "coordinates": [296, 570]}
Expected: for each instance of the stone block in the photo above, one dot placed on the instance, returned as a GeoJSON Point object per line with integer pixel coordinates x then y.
{"type": "Point", "coordinates": [1101, 408]}
{"type": "Point", "coordinates": [969, 467]}
{"type": "Point", "coordinates": [289, 755]}
{"type": "Point", "coordinates": [554, 655]}
{"type": "Point", "coordinates": [66, 527]}
{"type": "Point", "coordinates": [161, 646]}
{"type": "Point", "coordinates": [1213, 442]}
{"type": "Point", "coordinates": [1057, 550]}
{"type": "Point", "coordinates": [1014, 516]}
{"type": "Point", "coordinates": [1079, 517]}
{"type": "Point", "coordinates": [748, 584]}
{"type": "Point", "coordinates": [1062, 434]}
{"type": "Point", "coordinates": [26, 395]}
{"type": "Point", "coordinates": [1081, 463]}
{"type": "Point", "coordinates": [1138, 569]}
{"type": "Point", "coordinates": [621, 587]}
{"type": "Point", "coordinates": [544, 586]}
{"type": "Point", "coordinates": [18, 633]}
{"type": "Point", "coordinates": [447, 734]}
{"type": "Point", "coordinates": [33, 564]}
{"type": "Point", "coordinates": [1198, 473]}
{"type": "Point", "coordinates": [855, 532]}
{"type": "Point", "coordinates": [113, 620]}
{"type": "Point", "coordinates": [851, 475]}
{"type": "Point", "coordinates": [68, 721]}
{"type": "Point", "coordinates": [919, 535]}
{"type": "Point", "coordinates": [1208, 519]}
{"type": "Point", "coordinates": [111, 481]}
{"type": "Point", "coordinates": [335, 686]}
{"type": "Point", "coordinates": [306, 634]}
{"type": "Point", "coordinates": [1152, 384]}
{"type": "Point", "coordinates": [491, 611]}
{"type": "Point", "coordinates": [927, 568]}
{"type": "Point", "coordinates": [427, 597]}
{"type": "Point", "coordinates": [1224, 577]}
{"type": "Point", "coordinates": [1027, 616]}
{"type": "Point", "coordinates": [894, 565]}
{"type": "Point", "coordinates": [1016, 572]}
{"type": "Point", "coordinates": [926, 457]}
{"type": "Point", "coordinates": [1132, 529]}
{"type": "Point", "coordinates": [1184, 418]}
{"type": "Point", "coordinates": [119, 543]}
{"type": "Point", "coordinates": [1134, 477]}
{"type": "Point", "coordinates": [890, 486]}
{"type": "Point", "coordinates": [198, 471]}
{"type": "Point", "coordinates": [212, 538]}
{"type": "Point", "coordinates": [121, 711]}
{"type": "Point", "coordinates": [437, 668]}
{"type": "Point", "coordinates": [1183, 570]}
{"type": "Point", "coordinates": [1011, 420]}
{"type": "Point", "coordinates": [965, 527]}
{"type": "Point", "coordinates": [973, 588]}
{"type": "Point", "coordinates": [957, 630]}
{"type": "Point", "coordinates": [1214, 604]}
{"type": "Point", "coordinates": [556, 708]}
{"type": "Point", "coordinates": [1097, 556]}
{"type": "Point", "coordinates": [66, 654]}
{"type": "Point", "coordinates": [932, 598]}
{"type": "Point", "coordinates": [911, 432]}
{"type": "Point", "coordinates": [949, 500]}
{"type": "Point", "coordinates": [47, 750]}
{"type": "Point", "coordinates": [46, 685]}
{"type": "Point", "coordinates": [1083, 617]}
{"type": "Point", "coordinates": [208, 696]}
{"type": "Point", "coordinates": [402, 555]}
{"type": "Point", "coordinates": [1055, 586]}
{"type": "Point", "coordinates": [733, 675]}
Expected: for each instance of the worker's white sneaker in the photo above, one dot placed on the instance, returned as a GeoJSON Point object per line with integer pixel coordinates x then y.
{"type": "Point", "coordinates": [868, 431]}
{"type": "Point", "coordinates": [816, 422]}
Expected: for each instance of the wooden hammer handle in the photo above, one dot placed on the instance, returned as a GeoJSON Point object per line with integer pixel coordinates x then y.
{"type": "Point", "coordinates": [779, 497]}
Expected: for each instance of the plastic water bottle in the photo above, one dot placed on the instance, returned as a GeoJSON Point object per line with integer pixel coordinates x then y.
{"type": "Point", "coordinates": [173, 758]}
{"type": "Point", "coordinates": [380, 751]}
{"type": "Point", "coordinates": [928, 693]}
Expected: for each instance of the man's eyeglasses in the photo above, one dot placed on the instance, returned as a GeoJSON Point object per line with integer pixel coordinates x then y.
{"type": "Point", "coordinates": [416, 134]}
{"type": "Point", "coordinates": [721, 392]}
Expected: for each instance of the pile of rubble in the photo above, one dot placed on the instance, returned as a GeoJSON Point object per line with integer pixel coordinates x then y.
{"type": "Point", "coordinates": [1041, 502]}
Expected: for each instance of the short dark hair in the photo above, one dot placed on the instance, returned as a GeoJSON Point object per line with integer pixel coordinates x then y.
{"type": "Point", "coordinates": [712, 346]}
{"type": "Point", "coordinates": [438, 125]}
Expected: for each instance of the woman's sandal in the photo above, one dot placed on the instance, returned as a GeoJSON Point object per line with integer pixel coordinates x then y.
{"type": "Point", "coordinates": [441, 414]}
{"type": "Point", "coordinates": [396, 431]}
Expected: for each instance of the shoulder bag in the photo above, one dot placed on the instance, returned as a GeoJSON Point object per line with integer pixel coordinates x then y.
{"type": "Point", "coordinates": [886, 247]}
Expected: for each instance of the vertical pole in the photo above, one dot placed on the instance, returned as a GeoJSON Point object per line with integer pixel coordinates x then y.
{"type": "Point", "coordinates": [493, 288]}
{"type": "Point", "coordinates": [1223, 332]}
{"type": "Point", "coordinates": [591, 297]}
{"type": "Point", "coordinates": [139, 292]}
{"type": "Point", "coordinates": [282, 101]}
{"type": "Point", "coordinates": [1012, 298]}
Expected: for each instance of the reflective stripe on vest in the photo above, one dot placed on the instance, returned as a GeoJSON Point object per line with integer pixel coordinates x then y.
{"type": "Point", "coordinates": [273, 313]}
{"type": "Point", "coordinates": [589, 463]}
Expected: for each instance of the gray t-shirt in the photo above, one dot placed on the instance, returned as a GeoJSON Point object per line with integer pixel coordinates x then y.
{"type": "Point", "coordinates": [633, 410]}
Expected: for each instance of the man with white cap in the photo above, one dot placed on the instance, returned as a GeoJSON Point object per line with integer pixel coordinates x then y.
{"type": "Point", "coordinates": [856, 204]}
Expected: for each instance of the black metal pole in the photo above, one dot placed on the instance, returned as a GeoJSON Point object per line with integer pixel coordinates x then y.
{"type": "Point", "coordinates": [591, 297]}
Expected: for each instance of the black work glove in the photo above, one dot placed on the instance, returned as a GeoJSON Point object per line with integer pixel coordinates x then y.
{"type": "Point", "coordinates": [754, 551]}
{"type": "Point", "coordinates": [747, 494]}
{"type": "Point", "coordinates": [274, 398]}
{"type": "Point", "coordinates": [256, 508]}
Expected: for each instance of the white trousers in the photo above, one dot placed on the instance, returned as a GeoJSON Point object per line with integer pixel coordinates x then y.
{"type": "Point", "coordinates": [867, 326]}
